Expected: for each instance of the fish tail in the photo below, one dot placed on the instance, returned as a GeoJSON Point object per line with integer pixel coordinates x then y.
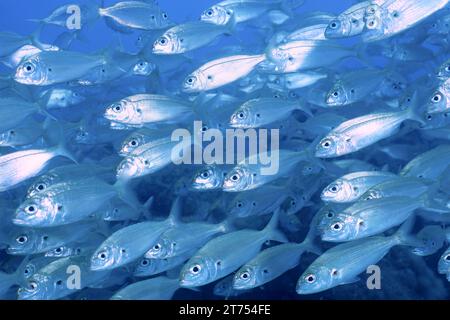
{"type": "Point", "coordinates": [56, 136]}
{"type": "Point", "coordinates": [176, 210]}
{"type": "Point", "coordinates": [272, 229]}
{"type": "Point", "coordinates": [403, 235]}
{"type": "Point", "coordinates": [126, 194]}
{"type": "Point", "coordinates": [413, 111]}
{"type": "Point", "coordinates": [34, 37]}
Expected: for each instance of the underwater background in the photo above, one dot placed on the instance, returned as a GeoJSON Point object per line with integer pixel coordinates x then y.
{"type": "Point", "coordinates": [403, 275]}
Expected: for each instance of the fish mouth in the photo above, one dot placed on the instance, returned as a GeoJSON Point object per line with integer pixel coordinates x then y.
{"type": "Point", "coordinates": [20, 222]}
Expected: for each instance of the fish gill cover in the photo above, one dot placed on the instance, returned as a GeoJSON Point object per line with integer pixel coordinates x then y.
{"type": "Point", "coordinates": [254, 149]}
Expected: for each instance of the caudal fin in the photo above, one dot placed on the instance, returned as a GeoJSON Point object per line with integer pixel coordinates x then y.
{"type": "Point", "coordinates": [272, 229]}
{"type": "Point", "coordinates": [403, 235]}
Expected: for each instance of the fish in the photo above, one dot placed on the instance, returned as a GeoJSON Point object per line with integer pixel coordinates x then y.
{"type": "Point", "coordinates": [220, 72]}
{"type": "Point", "coordinates": [53, 67]}
{"type": "Point", "coordinates": [273, 262]}
{"type": "Point", "coordinates": [343, 263]}
{"type": "Point", "coordinates": [361, 132]}
{"type": "Point", "coordinates": [428, 165]}
{"type": "Point", "coordinates": [225, 254]}
{"type": "Point", "coordinates": [438, 101]}
{"type": "Point", "coordinates": [354, 86]}
{"type": "Point", "coordinates": [391, 17]}
{"type": "Point", "coordinates": [19, 166]}
{"type": "Point", "coordinates": [352, 186]}
{"type": "Point", "coordinates": [121, 248]}
{"type": "Point", "coordinates": [159, 288]}
{"type": "Point", "coordinates": [189, 36]}
{"type": "Point", "coordinates": [64, 203]}
{"type": "Point", "coordinates": [51, 281]}
{"type": "Point", "coordinates": [258, 112]}
{"type": "Point", "coordinates": [368, 218]}
{"type": "Point", "coordinates": [350, 22]}
{"type": "Point", "coordinates": [180, 239]}
{"type": "Point", "coordinates": [209, 178]}
{"type": "Point", "coordinates": [148, 267]}
{"type": "Point", "coordinates": [444, 263]}
{"type": "Point", "coordinates": [247, 175]}
{"type": "Point", "coordinates": [136, 15]}
{"type": "Point", "coordinates": [24, 241]}
{"type": "Point", "coordinates": [432, 237]}
{"type": "Point", "coordinates": [139, 110]}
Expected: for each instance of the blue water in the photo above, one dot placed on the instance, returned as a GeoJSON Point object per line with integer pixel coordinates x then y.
{"type": "Point", "coordinates": [404, 276]}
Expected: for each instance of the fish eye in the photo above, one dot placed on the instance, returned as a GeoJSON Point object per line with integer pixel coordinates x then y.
{"type": "Point", "coordinates": [335, 94]}
{"type": "Point", "coordinates": [59, 250]}
{"type": "Point", "coordinates": [133, 143]}
{"type": "Point", "coordinates": [12, 132]}
{"type": "Point", "coordinates": [310, 278]}
{"type": "Point", "coordinates": [145, 262]}
{"type": "Point", "coordinates": [31, 209]}
{"type": "Point", "coordinates": [436, 98]}
{"type": "Point", "coordinates": [239, 204]}
{"type": "Point", "coordinates": [326, 143]}
{"type": "Point", "coordinates": [336, 226]}
{"type": "Point", "coordinates": [209, 13]}
{"type": "Point", "coordinates": [235, 177]}
{"type": "Point", "coordinates": [241, 115]}
{"type": "Point", "coordinates": [330, 214]}
{"type": "Point", "coordinates": [245, 275]}
{"type": "Point", "coordinates": [157, 247]}
{"type": "Point", "coordinates": [162, 41]}
{"type": "Point", "coordinates": [334, 25]}
{"type": "Point", "coordinates": [334, 188]}
{"type": "Point", "coordinates": [447, 257]}
{"type": "Point", "coordinates": [22, 239]}
{"type": "Point", "coordinates": [205, 174]}
{"type": "Point", "coordinates": [29, 67]}
{"type": "Point", "coordinates": [190, 80]}
{"type": "Point", "coordinates": [117, 108]}
{"type": "Point", "coordinates": [447, 68]}
{"type": "Point", "coordinates": [204, 129]}
{"type": "Point", "coordinates": [196, 269]}
{"type": "Point", "coordinates": [165, 16]}
{"type": "Point", "coordinates": [32, 285]}
{"type": "Point", "coordinates": [102, 255]}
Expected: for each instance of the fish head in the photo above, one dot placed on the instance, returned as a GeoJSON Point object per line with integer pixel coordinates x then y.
{"type": "Point", "coordinates": [208, 178]}
{"type": "Point", "coordinates": [40, 210]}
{"type": "Point", "coordinates": [38, 287]}
{"type": "Point", "coordinates": [31, 71]}
{"type": "Point", "coordinates": [341, 228]}
{"type": "Point", "coordinates": [143, 68]}
{"type": "Point", "coordinates": [247, 277]}
{"type": "Point", "coordinates": [40, 185]}
{"type": "Point", "coordinates": [131, 143]}
{"type": "Point", "coordinates": [163, 248]}
{"type": "Point", "coordinates": [59, 252]}
{"type": "Point", "coordinates": [242, 118]}
{"type": "Point", "coordinates": [337, 96]}
{"type": "Point", "coordinates": [438, 102]}
{"type": "Point", "coordinates": [217, 15]}
{"type": "Point", "coordinates": [23, 242]}
{"type": "Point", "coordinates": [7, 138]}
{"type": "Point", "coordinates": [325, 216]}
{"type": "Point", "coordinates": [339, 190]}
{"type": "Point", "coordinates": [124, 111]}
{"type": "Point", "coordinates": [444, 262]}
{"type": "Point", "coordinates": [315, 279]}
{"type": "Point", "coordinates": [240, 207]}
{"type": "Point", "coordinates": [144, 267]}
{"type": "Point", "coordinates": [131, 167]}
{"type": "Point", "coordinates": [238, 179]}
{"type": "Point", "coordinates": [197, 272]}
{"type": "Point", "coordinates": [195, 82]}
{"type": "Point", "coordinates": [338, 28]}
{"type": "Point", "coordinates": [168, 43]}
{"type": "Point", "coordinates": [444, 71]}
{"type": "Point", "coordinates": [107, 257]}
{"type": "Point", "coordinates": [328, 147]}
